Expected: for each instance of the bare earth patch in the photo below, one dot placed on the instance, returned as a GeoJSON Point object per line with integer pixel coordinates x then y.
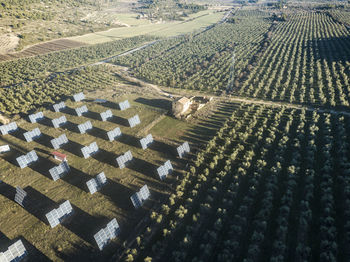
{"type": "Point", "coordinates": [8, 43]}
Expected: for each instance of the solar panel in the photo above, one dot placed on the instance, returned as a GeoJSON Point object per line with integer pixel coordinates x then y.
{"type": "Point", "coordinates": [87, 151]}
{"type": "Point", "coordinates": [95, 184]}
{"type": "Point", "coordinates": [59, 106]}
{"type": "Point", "coordinates": [4, 148]}
{"type": "Point", "coordinates": [164, 170]}
{"type": "Point", "coordinates": [59, 171]}
{"type": "Point", "coordinates": [123, 159]}
{"type": "Point", "coordinates": [134, 121]}
{"type": "Point", "coordinates": [10, 127]}
{"type": "Point", "coordinates": [14, 253]}
{"type": "Point", "coordinates": [124, 105]}
{"type": "Point", "coordinates": [20, 196]}
{"type": "Point", "coordinates": [35, 117]}
{"type": "Point", "coordinates": [81, 110]}
{"type": "Point", "coordinates": [146, 141]}
{"type": "Point", "coordinates": [31, 135]}
{"type": "Point", "coordinates": [25, 160]}
{"type": "Point", "coordinates": [105, 235]}
{"type": "Point", "coordinates": [56, 216]}
{"type": "Point", "coordinates": [85, 127]}
{"type": "Point", "coordinates": [113, 134]}
{"type": "Point", "coordinates": [106, 115]}
{"type": "Point", "coordinates": [78, 97]}
{"type": "Point", "coordinates": [57, 122]}
{"type": "Point", "coordinates": [183, 149]}
{"type": "Point", "coordinates": [59, 141]}
{"type": "Point", "coordinates": [139, 197]}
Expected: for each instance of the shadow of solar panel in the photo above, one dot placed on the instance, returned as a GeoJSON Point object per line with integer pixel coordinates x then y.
{"type": "Point", "coordinates": [105, 235]}
{"type": "Point", "coordinates": [113, 134]}
{"type": "Point", "coordinates": [20, 196]}
{"type": "Point", "coordinates": [10, 127]}
{"type": "Point", "coordinates": [14, 253]}
{"type": "Point", "coordinates": [56, 216]}
{"type": "Point", "coordinates": [59, 106]}
{"type": "Point", "coordinates": [79, 97]}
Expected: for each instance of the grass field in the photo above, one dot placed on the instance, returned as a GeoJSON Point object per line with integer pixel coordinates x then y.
{"type": "Point", "coordinates": [91, 212]}
{"type": "Point", "coordinates": [194, 22]}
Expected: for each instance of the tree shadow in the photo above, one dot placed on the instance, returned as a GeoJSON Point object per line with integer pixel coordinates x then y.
{"type": "Point", "coordinates": [82, 224]}
{"type": "Point", "coordinates": [330, 49]}
{"type": "Point", "coordinates": [38, 204]}
{"type": "Point", "coordinates": [93, 115]}
{"type": "Point", "coordinates": [119, 121]}
{"type": "Point", "coordinates": [105, 157]}
{"type": "Point", "coordinates": [73, 148]}
{"type": "Point", "coordinates": [143, 167]}
{"type": "Point", "coordinates": [98, 133]}
{"type": "Point", "coordinates": [159, 103]}
{"type": "Point", "coordinates": [129, 140]}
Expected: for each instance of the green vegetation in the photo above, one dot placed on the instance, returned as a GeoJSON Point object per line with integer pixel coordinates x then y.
{"type": "Point", "coordinates": [272, 185]}
{"type": "Point", "coordinates": [12, 72]}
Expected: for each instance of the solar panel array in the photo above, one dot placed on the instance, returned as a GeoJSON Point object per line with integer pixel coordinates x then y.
{"type": "Point", "coordinates": [123, 159]}
{"type": "Point", "coordinates": [5, 148]}
{"type": "Point", "coordinates": [113, 134]}
{"type": "Point", "coordinates": [146, 141]}
{"type": "Point", "coordinates": [15, 252]}
{"type": "Point", "coordinates": [124, 105]}
{"type": "Point", "coordinates": [89, 150]}
{"type": "Point", "coordinates": [59, 121]}
{"type": "Point", "coordinates": [20, 196]}
{"type": "Point", "coordinates": [84, 127]}
{"type": "Point", "coordinates": [5, 129]}
{"type": "Point", "coordinates": [78, 97]}
{"type": "Point", "coordinates": [139, 197]}
{"type": "Point", "coordinates": [59, 141]}
{"type": "Point", "coordinates": [81, 110]}
{"type": "Point", "coordinates": [35, 117]}
{"type": "Point", "coordinates": [59, 106]}
{"type": "Point", "coordinates": [59, 171]}
{"type": "Point", "coordinates": [106, 234]}
{"type": "Point", "coordinates": [165, 170]}
{"type": "Point", "coordinates": [134, 121]}
{"type": "Point", "coordinates": [105, 115]}
{"type": "Point", "coordinates": [31, 135]}
{"type": "Point", "coordinates": [56, 216]}
{"type": "Point", "coordinates": [95, 184]}
{"type": "Point", "coordinates": [24, 160]}
{"type": "Point", "coordinates": [183, 149]}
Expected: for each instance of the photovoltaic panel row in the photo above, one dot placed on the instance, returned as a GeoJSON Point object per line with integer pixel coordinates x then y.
{"type": "Point", "coordinates": [81, 110]}
{"type": "Point", "coordinates": [79, 97]}
{"type": "Point", "coordinates": [56, 216]}
{"type": "Point", "coordinates": [59, 141]}
{"type": "Point", "coordinates": [139, 197]}
{"type": "Point", "coordinates": [183, 149]}
{"type": "Point", "coordinates": [57, 122]}
{"type": "Point", "coordinates": [31, 135]}
{"type": "Point", "coordinates": [85, 127]}
{"type": "Point", "coordinates": [123, 159]}
{"type": "Point", "coordinates": [10, 127]}
{"type": "Point", "coordinates": [113, 134]}
{"type": "Point", "coordinates": [15, 252]}
{"type": "Point", "coordinates": [59, 106]}
{"type": "Point", "coordinates": [20, 196]}
{"type": "Point", "coordinates": [164, 170]}
{"type": "Point", "coordinates": [95, 184]}
{"type": "Point", "coordinates": [87, 151]}
{"type": "Point", "coordinates": [146, 141]}
{"type": "Point", "coordinates": [106, 115]}
{"type": "Point", "coordinates": [134, 121]}
{"type": "Point", "coordinates": [105, 235]}
{"type": "Point", "coordinates": [25, 160]}
{"type": "Point", "coordinates": [35, 117]}
{"type": "Point", "coordinates": [124, 105]}
{"type": "Point", "coordinates": [59, 171]}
